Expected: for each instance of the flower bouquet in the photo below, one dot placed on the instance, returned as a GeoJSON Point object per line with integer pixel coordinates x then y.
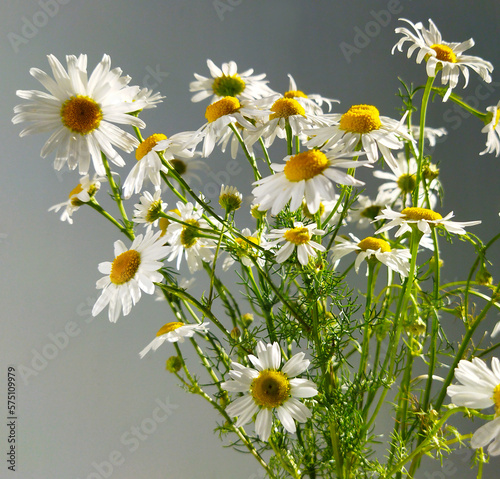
{"type": "Point", "coordinates": [312, 376]}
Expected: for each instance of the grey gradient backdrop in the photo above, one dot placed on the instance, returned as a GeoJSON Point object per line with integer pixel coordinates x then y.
{"type": "Point", "coordinates": [80, 406]}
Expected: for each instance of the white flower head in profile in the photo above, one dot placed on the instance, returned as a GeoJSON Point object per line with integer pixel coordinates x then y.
{"type": "Point", "coordinates": [492, 129]}
{"type": "Point", "coordinates": [173, 332]}
{"type": "Point", "coordinates": [442, 56]}
{"type": "Point", "coordinates": [81, 194]}
{"type": "Point", "coordinates": [370, 249]}
{"type": "Point", "coordinates": [270, 386]}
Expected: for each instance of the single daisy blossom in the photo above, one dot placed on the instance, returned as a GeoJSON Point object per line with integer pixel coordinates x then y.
{"type": "Point", "coordinates": [81, 112]}
{"type": "Point", "coordinates": [365, 209]}
{"type": "Point", "coordinates": [173, 332]}
{"type": "Point", "coordinates": [149, 209]}
{"type": "Point", "coordinates": [185, 240]}
{"type": "Point", "coordinates": [226, 81]}
{"type": "Point", "coordinates": [306, 176]}
{"type": "Point", "coordinates": [79, 195]}
{"type": "Point", "coordinates": [430, 134]}
{"type": "Point", "coordinates": [441, 55]}
{"type": "Point", "coordinates": [362, 125]}
{"type": "Point", "coordinates": [132, 271]}
{"type": "Point", "coordinates": [149, 164]}
{"type": "Point", "coordinates": [269, 387]}
{"type": "Point", "coordinates": [283, 112]}
{"type": "Point", "coordinates": [479, 388]}
{"type": "Point", "coordinates": [370, 249]}
{"type": "Point", "coordinates": [403, 180]}
{"type": "Point", "coordinates": [244, 250]}
{"type": "Point", "coordinates": [423, 218]}
{"type": "Point", "coordinates": [220, 116]}
{"type": "Point", "coordinates": [492, 129]}
{"type": "Point", "coordinates": [298, 238]}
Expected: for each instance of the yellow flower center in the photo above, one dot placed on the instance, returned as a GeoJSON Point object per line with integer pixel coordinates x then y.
{"type": "Point", "coordinates": [496, 398]}
{"type": "Point", "coordinates": [407, 183]}
{"type": "Point", "coordinates": [154, 211]}
{"type": "Point", "coordinates": [167, 328]}
{"type": "Point", "coordinates": [125, 266]}
{"type": "Point", "coordinates": [285, 107]}
{"type": "Point", "coordinates": [180, 166]}
{"type": "Point", "coordinates": [244, 244]}
{"type": "Point", "coordinates": [148, 144]}
{"type": "Point", "coordinates": [189, 235]}
{"type": "Point", "coordinates": [497, 118]}
{"type": "Point", "coordinates": [228, 85]}
{"type": "Point", "coordinates": [226, 106]}
{"type": "Point", "coordinates": [270, 388]}
{"type": "Point", "coordinates": [417, 214]}
{"type": "Point", "coordinates": [374, 244]}
{"type": "Point", "coordinates": [298, 235]}
{"type": "Point", "coordinates": [305, 165]}
{"type": "Point", "coordinates": [81, 114]}
{"type": "Point", "coordinates": [165, 222]}
{"type": "Point", "coordinates": [360, 119]}
{"type": "Point", "coordinates": [444, 53]}
{"type": "Point", "coordinates": [295, 94]}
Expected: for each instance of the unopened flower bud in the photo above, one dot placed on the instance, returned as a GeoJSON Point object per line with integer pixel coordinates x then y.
{"type": "Point", "coordinates": [230, 198]}
{"type": "Point", "coordinates": [430, 172]}
{"type": "Point", "coordinates": [174, 364]}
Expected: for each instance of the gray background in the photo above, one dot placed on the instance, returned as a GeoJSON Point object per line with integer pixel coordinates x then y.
{"type": "Point", "coordinates": [81, 405]}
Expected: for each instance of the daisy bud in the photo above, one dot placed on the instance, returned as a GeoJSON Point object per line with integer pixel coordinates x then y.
{"type": "Point", "coordinates": [174, 364]}
{"type": "Point", "coordinates": [235, 333]}
{"type": "Point", "coordinates": [230, 198]}
{"type": "Point", "coordinates": [259, 214]}
{"type": "Point", "coordinates": [417, 327]}
{"type": "Point", "coordinates": [247, 319]}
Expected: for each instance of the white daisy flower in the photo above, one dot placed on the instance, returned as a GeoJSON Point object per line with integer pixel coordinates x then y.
{"type": "Point", "coordinates": [149, 164]}
{"type": "Point", "coordinates": [82, 193]}
{"type": "Point", "coordinates": [479, 388]}
{"type": "Point", "coordinates": [440, 55]}
{"type": "Point", "coordinates": [403, 180]}
{"type": "Point", "coordinates": [306, 176]}
{"type": "Point", "coordinates": [298, 238]}
{"type": "Point", "coordinates": [81, 113]}
{"type": "Point", "coordinates": [189, 168]}
{"type": "Point", "coordinates": [365, 209]}
{"type": "Point", "coordinates": [185, 239]}
{"type": "Point", "coordinates": [149, 209]}
{"type": "Point", "coordinates": [173, 332]}
{"type": "Point", "coordinates": [492, 129]}
{"type": "Point", "coordinates": [269, 387]}
{"type": "Point", "coordinates": [147, 96]}
{"type": "Point", "coordinates": [132, 270]}
{"type": "Point", "coordinates": [244, 250]}
{"type": "Point", "coordinates": [362, 125]}
{"type": "Point", "coordinates": [220, 115]}
{"type": "Point", "coordinates": [370, 249]}
{"type": "Point", "coordinates": [312, 102]}
{"type": "Point", "coordinates": [282, 112]}
{"type": "Point", "coordinates": [226, 81]}
{"type": "Point", "coordinates": [423, 219]}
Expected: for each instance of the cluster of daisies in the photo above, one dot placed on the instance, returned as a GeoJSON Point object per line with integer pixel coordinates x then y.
{"type": "Point", "coordinates": [85, 115]}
